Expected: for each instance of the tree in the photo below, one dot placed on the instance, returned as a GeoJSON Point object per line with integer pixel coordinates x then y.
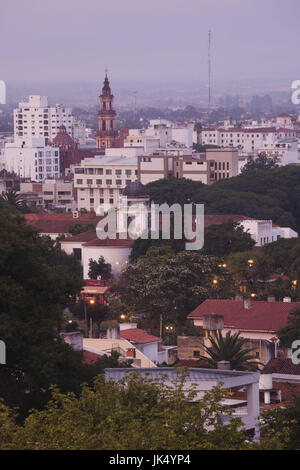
{"type": "Point", "coordinates": [135, 413]}
{"type": "Point", "coordinates": [99, 268]}
{"type": "Point", "coordinates": [225, 238]}
{"type": "Point", "coordinates": [36, 283]}
{"type": "Point", "coordinates": [230, 348]}
{"type": "Point", "coordinates": [79, 228]}
{"type": "Point", "coordinates": [291, 332]}
{"type": "Point", "coordinates": [251, 268]}
{"type": "Point", "coordinates": [262, 162]}
{"type": "Point", "coordinates": [282, 424]}
{"type": "Point", "coordinates": [172, 285]}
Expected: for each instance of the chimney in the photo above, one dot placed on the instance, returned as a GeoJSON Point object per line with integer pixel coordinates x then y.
{"type": "Point", "coordinates": [131, 352]}
{"type": "Point", "coordinates": [223, 365]}
{"type": "Point", "coordinates": [113, 332]}
{"type": "Point", "coordinates": [287, 299]}
{"type": "Point", "coordinates": [247, 304]}
{"type": "Point", "coordinates": [213, 322]}
{"type": "Point", "coordinates": [238, 297]}
{"type": "Point", "coordinates": [271, 298]}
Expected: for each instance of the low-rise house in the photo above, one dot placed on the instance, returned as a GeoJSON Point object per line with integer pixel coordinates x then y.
{"type": "Point", "coordinates": [255, 320]}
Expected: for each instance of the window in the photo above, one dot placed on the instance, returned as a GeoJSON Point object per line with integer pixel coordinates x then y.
{"type": "Point", "coordinates": [108, 172]}
{"type": "Point", "coordinates": [101, 201]}
{"type": "Point", "coordinates": [79, 170]}
{"type": "Point", "coordinates": [89, 181]}
{"type": "Point", "coordinates": [77, 253]}
{"type": "Point", "coordinates": [108, 181]}
{"type": "Point", "coordinates": [79, 181]}
{"type": "Point", "coordinates": [111, 201]}
{"type": "Point", "coordinates": [118, 182]}
{"type": "Point", "coordinates": [98, 181]}
{"type": "Point", "coordinates": [118, 172]}
{"type": "Point", "coordinates": [196, 353]}
{"type": "Point", "coordinates": [91, 200]}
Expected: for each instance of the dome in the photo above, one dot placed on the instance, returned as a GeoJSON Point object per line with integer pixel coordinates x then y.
{"type": "Point", "coordinates": [135, 189]}
{"type": "Point", "coordinates": [62, 138]}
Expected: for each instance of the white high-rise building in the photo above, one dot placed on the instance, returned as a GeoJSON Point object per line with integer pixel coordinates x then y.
{"type": "Point", "coordinates": [31, 159]}
{"type": "Point", "coordinates": [35, 118]}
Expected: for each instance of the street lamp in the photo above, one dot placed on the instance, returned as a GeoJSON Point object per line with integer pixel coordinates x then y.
{"type": "Point", "coordinates": [215, 282]}
{"type": "Point", "coordinates": [250, 262]}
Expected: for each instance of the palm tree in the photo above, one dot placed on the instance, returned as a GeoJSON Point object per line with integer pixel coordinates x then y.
{"type": "Point", "coordinates": [12, 198]}
{"type": "Point", "coordinates": [230, 348]}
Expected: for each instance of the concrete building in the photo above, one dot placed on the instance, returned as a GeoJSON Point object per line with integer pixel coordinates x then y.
{"type": "Point", "coordinates": [225, 162]}
{"type": "Point", "coordinates": [247, 140]}
{"type": "Point", "coordinates": [57, 193]}
{"type": "Point", "coordinates": [155, 167]}
{"type": "Point", "coordinates": [36, 118]}
{"type": "Point", "coordinates": [101, 180]}
{"type": "Point", "coordinates": [32, 158]}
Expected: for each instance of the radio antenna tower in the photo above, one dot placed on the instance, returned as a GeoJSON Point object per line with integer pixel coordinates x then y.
{"type": "Point", "coordinates": [209, 68]}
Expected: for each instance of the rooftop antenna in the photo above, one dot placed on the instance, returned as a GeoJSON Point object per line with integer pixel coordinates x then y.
{"type": "Point", "coordinates": [134, 95]}
{"type": "Point", "coordinates": [209, 67]}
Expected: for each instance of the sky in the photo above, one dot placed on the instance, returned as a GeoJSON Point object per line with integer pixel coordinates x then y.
{"type": "Point", "coordinates": [153, 41]}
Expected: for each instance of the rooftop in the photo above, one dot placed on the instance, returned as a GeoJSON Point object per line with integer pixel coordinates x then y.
{"type": "Point", "coordinates": [262, 316]}
{"type": "Point", "coordinates": [136, 335]}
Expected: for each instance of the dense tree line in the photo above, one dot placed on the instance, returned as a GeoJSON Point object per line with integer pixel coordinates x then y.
{"type": "Point", "coordinates": [264, 194]}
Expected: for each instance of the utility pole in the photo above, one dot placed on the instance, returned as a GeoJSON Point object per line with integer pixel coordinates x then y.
{"type": "Point", "coordinates": [209, 68]}
{"type": "Point", "coordinates": [160, 326]}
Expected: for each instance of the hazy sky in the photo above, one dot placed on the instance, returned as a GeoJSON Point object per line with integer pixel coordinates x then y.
{"type": "Point", "coordinates": [69, 40]}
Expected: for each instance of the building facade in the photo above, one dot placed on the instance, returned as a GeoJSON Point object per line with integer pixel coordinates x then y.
{"type": "Point", "coordinates": [107, 133]}
{"type": "Point", "coordinates": [35, 118]}
{"type": "Point", "coordinates": [101, 180]}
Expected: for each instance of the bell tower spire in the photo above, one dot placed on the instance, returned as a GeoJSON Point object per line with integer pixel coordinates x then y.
{"type": "Point", "coordinates": [106, 117]}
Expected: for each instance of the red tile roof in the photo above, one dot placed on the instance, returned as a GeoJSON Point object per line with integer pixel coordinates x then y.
{"type": "Point", "coordinates": [90, 357]}
{"type": "Point", "coordinates": [108, 242]}
{"type": "Point", "coordinates": [281, 365]}
{"type": "Point", "coordinates": [262, 316]}
{"type": "Point", "coordinates": [136, 335]}
{"type": "Point", "coordinates": [59, 223]}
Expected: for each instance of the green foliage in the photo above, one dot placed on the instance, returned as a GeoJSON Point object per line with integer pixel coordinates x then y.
{"type": "Point", "coordinates": [225, 238]}
{"type": "Point", "coordinates": [280, 427]}
{"type": "Point", "coordinates": [37, 280]}
{"type": "Point", "coordinates": [99, 268]}
{"type": "Point", "coordinates": [170, 284]}
{"type": "Point", "coordinates": [133, 414]}
{"type": "Point", "coordinates": [261, 162]}
{"type": "Point", "coordinates": [291, 332]}
{"type": "Point", "coordinates": [79, 228]}
{"type": "Point", "coordinates": [230, 348]}
{"type": "Point", "coordinates": [264, 194]}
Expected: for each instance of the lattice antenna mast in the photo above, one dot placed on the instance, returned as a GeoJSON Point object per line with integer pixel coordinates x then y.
{"type": "Point", "coordinates": [209, 67]}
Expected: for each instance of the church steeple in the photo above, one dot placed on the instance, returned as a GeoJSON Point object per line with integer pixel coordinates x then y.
{"type": "Point", "coordinates": [106, 117]}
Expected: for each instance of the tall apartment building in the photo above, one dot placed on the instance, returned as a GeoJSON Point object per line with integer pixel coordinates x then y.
{"type": "Point", "coordinates": [225, 162]}
{"type": "Point", "coordinates": [31, 159]}
{"type": "Point", "coordinates": [36, 118]}
{"type": "Point", "coordinates": [102, 180]}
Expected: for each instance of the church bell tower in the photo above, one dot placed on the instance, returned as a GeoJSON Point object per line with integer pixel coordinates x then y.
{"type": "Point", "coordinates": [107, 133]}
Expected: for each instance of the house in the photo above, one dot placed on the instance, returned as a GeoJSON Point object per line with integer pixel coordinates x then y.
{"type": "Point", "coordinates": [255, 320]}
{"type": "Point", "coordinates": [204, 380]}
{"type": "Point", "coordinates": [55, 225]}
{"type": "Point", "coordinates": [87, 246]}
